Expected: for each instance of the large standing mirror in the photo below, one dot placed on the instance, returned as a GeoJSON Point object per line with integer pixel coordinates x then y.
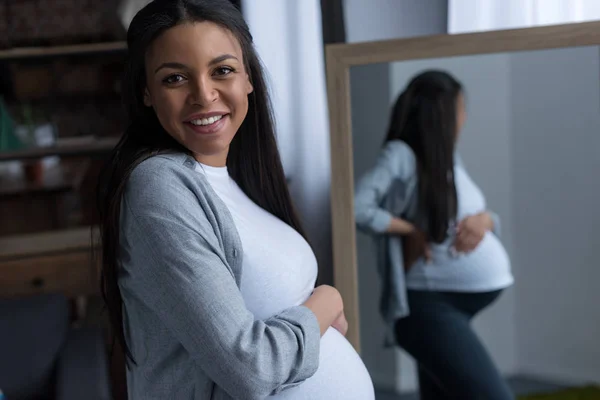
{"type": "Point", "coordinates": [531, 144]}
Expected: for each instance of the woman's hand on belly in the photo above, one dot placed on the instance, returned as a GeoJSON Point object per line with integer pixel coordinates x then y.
{"type": "Point", "coordinates": [471, 230]}
{"type": "Point", "coordinates": [327, 305]}
{"type": "Point", "coordinates": [341, 324]}
{"type": "Point", "coordinates": [414, 247]}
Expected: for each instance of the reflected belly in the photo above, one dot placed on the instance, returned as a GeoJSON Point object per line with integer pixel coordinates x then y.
{"type": "Point", "coordinates": [485, 268]}
{"type": "Point", "coordinates": [341, 374]}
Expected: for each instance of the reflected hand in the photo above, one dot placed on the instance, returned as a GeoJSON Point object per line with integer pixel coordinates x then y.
{"type": "Point", "coordinates": [470, 232]}
{"type": "Point", "coordinates": [414, 247]}
{"type": "Point", "coordinates": [340, 324]}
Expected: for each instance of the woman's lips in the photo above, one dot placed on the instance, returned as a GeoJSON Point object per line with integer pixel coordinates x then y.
{"type": "Point", "coordinates": [210, 128]}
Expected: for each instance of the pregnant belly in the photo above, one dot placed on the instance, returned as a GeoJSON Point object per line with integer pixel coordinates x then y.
{"type": "Point", "coordinates": [488, 266]}
{"type": "Point", "coordinates": [341, 374]}
{"type": "Point", "coordinates": [484, 269]}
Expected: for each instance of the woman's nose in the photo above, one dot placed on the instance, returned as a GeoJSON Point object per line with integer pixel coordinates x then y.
{"type": "Point", "coordinates": [203, 93]}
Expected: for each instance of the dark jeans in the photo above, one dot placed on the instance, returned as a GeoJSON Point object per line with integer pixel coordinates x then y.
{"type": "Point", "coordinates": [452, 361]}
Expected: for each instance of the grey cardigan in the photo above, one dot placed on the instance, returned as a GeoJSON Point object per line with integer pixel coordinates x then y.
{"type": "Point", "coordinates": [389, 190]}
{"type": "Point", "coordinates": [185, 320]}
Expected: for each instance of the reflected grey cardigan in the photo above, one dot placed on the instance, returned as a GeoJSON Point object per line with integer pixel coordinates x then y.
{"type": "Point", "coordinates": [185, 319]}
{"type": "Point", "coordinates": [389, 190]}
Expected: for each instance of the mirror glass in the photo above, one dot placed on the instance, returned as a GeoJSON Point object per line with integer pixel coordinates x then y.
{"type": "Point", "coordinates": [530, 143]}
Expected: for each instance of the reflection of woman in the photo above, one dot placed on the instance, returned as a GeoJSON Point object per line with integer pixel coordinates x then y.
{"type": "Point", "coordinates": [435, 239]}
{"type": "Point", "coordinates": [208, 278]}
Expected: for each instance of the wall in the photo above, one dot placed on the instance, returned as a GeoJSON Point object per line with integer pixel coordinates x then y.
{"type": "Point", "coordinates": [485, 146]}
{"type": "Point", "coordinates": [391, 19]}
{"type": "Point", "coordinates": [556, 196]}
{"type": "Point", "coordinates": [370, 92]}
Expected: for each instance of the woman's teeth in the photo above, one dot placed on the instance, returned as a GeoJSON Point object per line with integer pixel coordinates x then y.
{"type": "Point", "coordinates": [206, 121]}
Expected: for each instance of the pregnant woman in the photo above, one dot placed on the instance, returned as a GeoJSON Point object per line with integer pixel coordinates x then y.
{"type": "Point", "coordinates": [207, 275]}
{"type": "Point", "coordinates": [431, 219]}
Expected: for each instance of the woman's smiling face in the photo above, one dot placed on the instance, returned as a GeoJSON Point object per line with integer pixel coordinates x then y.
{"type": "Point", "coordinates": [198, 86]}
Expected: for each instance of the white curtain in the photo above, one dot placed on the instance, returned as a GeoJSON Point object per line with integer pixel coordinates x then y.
{"type": "Point", "coordinates": [485, 15]}
{"type": "Point", "coordinates": [128, 8]}
{"type": "Point", "coordinates": [289, 40]}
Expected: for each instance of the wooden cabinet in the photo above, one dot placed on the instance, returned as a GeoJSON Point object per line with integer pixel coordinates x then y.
{"type": "Point", "coordinates": [49, 262]}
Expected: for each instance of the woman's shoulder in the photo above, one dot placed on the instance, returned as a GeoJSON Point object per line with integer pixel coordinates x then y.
{"type": "Point", "coordinates": [400, 156]}
{"type": "Point", "coordinates": [399, 147]}
{"type": "Point", "coordinates": [163, 180]}
{"type": "Point", "coordinates": [162, 171]}
{"type": "Point", "coordinates": [160, 165]}
{"type": "Point", "coordinates": [167, 190]}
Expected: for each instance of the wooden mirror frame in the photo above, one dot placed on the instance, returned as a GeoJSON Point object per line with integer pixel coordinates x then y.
{"type": "Point", "coordinates": [340, 57]}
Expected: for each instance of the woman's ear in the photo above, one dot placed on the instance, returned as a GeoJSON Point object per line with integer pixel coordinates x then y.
{"type": "Point", "coordinates": [249, 87]}
{"type": "Point", "coordinates": [147, 99]}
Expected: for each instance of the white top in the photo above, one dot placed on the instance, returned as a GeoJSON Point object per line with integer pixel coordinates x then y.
{"type": "Point", "coordinates": [487, 268]}
{"type": "Point", "coordinates": [279, 271]}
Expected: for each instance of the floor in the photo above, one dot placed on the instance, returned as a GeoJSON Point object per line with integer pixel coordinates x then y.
{"type": "Point", "coordinates": [520, 386]}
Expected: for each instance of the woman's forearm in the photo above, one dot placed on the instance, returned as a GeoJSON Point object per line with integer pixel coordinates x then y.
{"type": "Point", "coordinates": [327, 305]}
{"type": "Point", "coordinates": [399, 226]}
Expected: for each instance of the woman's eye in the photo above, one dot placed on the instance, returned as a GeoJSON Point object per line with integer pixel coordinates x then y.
{"type": "Point", "coordinates": [221, 71]}
{"type": "Point", "coordinates": [173, 79]}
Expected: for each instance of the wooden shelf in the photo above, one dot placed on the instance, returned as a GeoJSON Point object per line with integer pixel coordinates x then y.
{"type": "Point", "coordinates": [43, 243]}
{"type": "Point", "coordinates": [59, 178]}
{"type": "Point", "coordinates": [84, 147]}
{"type": "Point", "coordinates": [33, 52]}
{"type": "Point", "coordinates": [71, 98]}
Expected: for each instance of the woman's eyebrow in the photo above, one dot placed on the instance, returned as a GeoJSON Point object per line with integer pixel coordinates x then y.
{"type": "Point", "coordinates": [173, 65]}
{"type": "Point", "coordinates": [222, 58]}
{"type": "Point", "coordinates": [216, 60]}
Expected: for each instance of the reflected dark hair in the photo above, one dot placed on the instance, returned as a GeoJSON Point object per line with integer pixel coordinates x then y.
{"type": "Point", "coordinates": [253, 160]}
{"type": "Point", "coordinates": [424, 117]}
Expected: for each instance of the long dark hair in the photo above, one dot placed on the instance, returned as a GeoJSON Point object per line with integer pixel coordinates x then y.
{"type": "Point", "coordinates": [253, 160]}
{"type": "Point", "coordinates": [425, 118]}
